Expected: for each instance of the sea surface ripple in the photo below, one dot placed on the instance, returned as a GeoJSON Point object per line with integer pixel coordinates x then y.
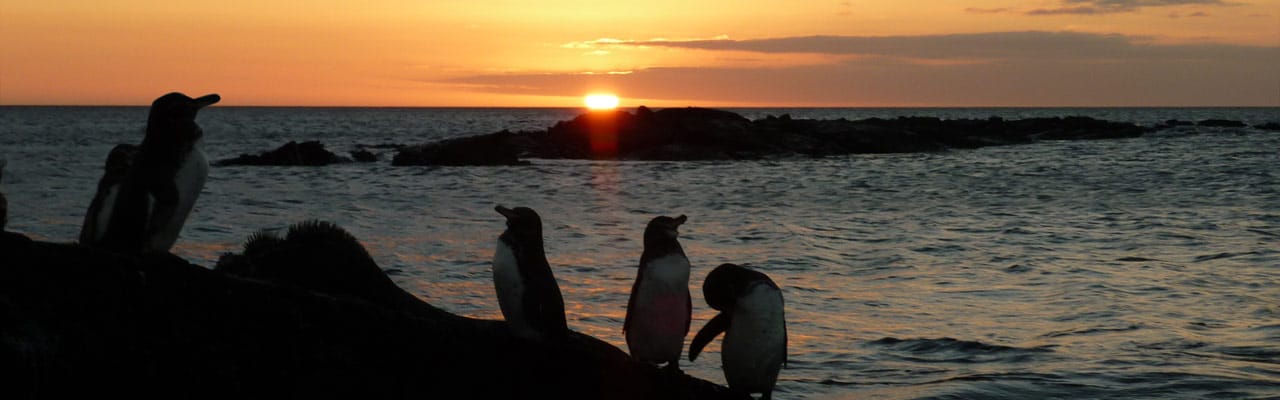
{"type": "Point", "coordinates": [1131, 268]}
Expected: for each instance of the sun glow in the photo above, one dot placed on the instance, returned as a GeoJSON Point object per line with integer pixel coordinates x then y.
{"type": "Point", "coordinates": [601, 101]}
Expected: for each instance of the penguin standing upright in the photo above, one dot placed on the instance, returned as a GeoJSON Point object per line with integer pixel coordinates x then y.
{"type": "Point", "coordinates": [527, 291]}
{"type": "Point", "coordinates": [751, 316]}
{"type": "Point", "coordinates": [113, 176]}
{"type": "Point", "coordinates": [161, 186]}
{"type": "Point", "coordinates": [660, 307]}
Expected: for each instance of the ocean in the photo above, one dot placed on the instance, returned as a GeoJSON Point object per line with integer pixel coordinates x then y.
{"type": "Point", "coordinates": [1129, 268]}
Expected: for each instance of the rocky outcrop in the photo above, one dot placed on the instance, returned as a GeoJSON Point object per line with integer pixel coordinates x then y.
{"type": "Point", "coordinates": [1269, 126]}
{"type": "Point", "coordinates": [1173, 123]}
{"type": "Point", "coordinates": [1221, 123]}
{"type": "Point", "coordinates": [707, 134]}
{"type": "Point", "coordinates": [310, 153]}
{"type": "Point", "coordinates": [492, 149]}
{"type": "Point", "coordinates": [362, 155]}
{"type": "Point", "coordinates": [302, 316]}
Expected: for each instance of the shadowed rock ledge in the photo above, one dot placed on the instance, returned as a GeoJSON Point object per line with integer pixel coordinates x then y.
{"type": "Point", "coordinates": [708, 134]}
{"type": "Point", "coordinates": [77, 321]}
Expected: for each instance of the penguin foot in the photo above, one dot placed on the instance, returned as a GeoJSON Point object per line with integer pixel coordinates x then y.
{"type": "Point", "coordinates": [672, 367]}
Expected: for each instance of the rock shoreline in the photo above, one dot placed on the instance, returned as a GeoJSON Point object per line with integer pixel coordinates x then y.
{"type": "Point", "coordinates": [78, 321]}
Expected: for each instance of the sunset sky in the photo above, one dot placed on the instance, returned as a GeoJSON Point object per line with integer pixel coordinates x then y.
{"type": "Point", "coordinates": [657, 52]}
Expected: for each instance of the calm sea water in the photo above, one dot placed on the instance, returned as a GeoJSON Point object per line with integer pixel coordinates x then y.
{"type": "Point", "coordinates": [1135, 268]}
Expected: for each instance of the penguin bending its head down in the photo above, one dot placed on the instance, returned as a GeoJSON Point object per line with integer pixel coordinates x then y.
{"type": "Point", "coordinates": [751, 316]}
{"type": "Point", "coordinates": [527, 291]}
{"type": "Point", "coordinates": [161, 186]}
{"type": "Point", "coordinates": [660, 307]}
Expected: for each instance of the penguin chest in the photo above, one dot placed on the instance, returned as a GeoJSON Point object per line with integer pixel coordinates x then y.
{"type": "Point", "coordinates": [755, 345]}
{"type": "Point", "coordinates": [660, 314]}
{"type": "Point", "coordinates": [510, 286]}
{"type": "Point", "coordinates": [188, 181]}
{"type": "Point", "coordinates": [106, 203]}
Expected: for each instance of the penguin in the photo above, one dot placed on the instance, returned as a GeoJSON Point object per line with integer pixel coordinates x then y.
{"type": "Point", "coordinates": [161, 186]}
{"type": "Point", "coordinates": [660, 308]}
{"type": "Point", "coordinates": [755, 329]}
{"type": "Point", "coordinates": [4, 203]}
{"type": "Point", "coordinates": [527, 291]}
{"type": "Point", "coordinates": [113, 175]}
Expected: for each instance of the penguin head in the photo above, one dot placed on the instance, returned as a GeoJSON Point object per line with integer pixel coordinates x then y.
{"type": "Point", "coordinates": [727, 282]}
{"type": "Point", "coordinates": [522, 221]}
{"type": "Point", "coordinates": [120, 159]}
{"type": "Point", "coordinates": [178, 111]}
{"type": "Point", "coordinates": [664, 227]}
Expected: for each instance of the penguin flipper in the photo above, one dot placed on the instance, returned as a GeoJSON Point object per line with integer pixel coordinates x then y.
{"type": "Point", "coordinates": [784, 345]}
{"type": "Point", "coordinates": [713, 328]}
{"type": "Point", "coordinates": [544, 308]}
{"type": "Point", "coordinates": [631, 301]}
{"type": "Point", "coordinates": [89, 229]}
{"type": "Point", "coordinates": [688, 312]}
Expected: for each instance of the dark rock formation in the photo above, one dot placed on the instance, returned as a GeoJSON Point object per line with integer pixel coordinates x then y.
{"type": "Point", "coordinates": [1269, 126]}
{"type": "Point", "coordinates": [304, 316]}
{"type": "Point", "coordinates": [379, 146]}
{"type": "Point", "coordinates": [491, 149]}
{"type": "Point", "coordinates": [1172, 123]}
{"type": "Point", "coordinates": [361, 155]}
{"type": "Point", "coordinates": [706, 134]}
{"type": "Point", "coordinates": [1221, 123]}
{"type": "Point", "coordinates": [293, 153]}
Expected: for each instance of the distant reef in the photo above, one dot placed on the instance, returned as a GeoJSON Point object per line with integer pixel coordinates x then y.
{"type": "Point", "coordinates": [311, 153]}
{"type": "Point", "coordinates": [709, 134]}
{"type": "Point", "coordinates": [676, 134]}
{"type": "Point", "coordinates": [305, 316]}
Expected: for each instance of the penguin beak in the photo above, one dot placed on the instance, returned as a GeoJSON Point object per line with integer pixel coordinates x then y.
{"type": "Point", "coordinates": [675, 227]}
{"type": "Point", "coordinates": [506, 212]}
{"type": "Point", "coordinates": [206, 100]}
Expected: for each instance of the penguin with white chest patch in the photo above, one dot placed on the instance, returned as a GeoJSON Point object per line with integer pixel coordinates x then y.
{"type": "Point", "coordinates": [660, 308]}
{"type": "Point", "coordinates": [527, 291]}
{"type": "Point", "coordinates": [150, 204]}
{"type": "Point", "coordinates": [755, 329]}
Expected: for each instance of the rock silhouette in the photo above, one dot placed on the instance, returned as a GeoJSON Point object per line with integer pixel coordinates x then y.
{"type": "Point", "coordinates": [310, 153]}
{"type": "Point", "coordinates": [80, 321]}
{"type": "Point", "coordinates": [708, 134]}
{"type": "Point", "coordinates": [1221, 123]}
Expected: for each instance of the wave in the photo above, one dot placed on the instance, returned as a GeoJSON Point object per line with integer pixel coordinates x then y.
{"type": "Point", "coordinates": [949, 350]}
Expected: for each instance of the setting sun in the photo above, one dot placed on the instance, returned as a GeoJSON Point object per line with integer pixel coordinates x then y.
{"type": "Point", "coordinates": [600, 101]}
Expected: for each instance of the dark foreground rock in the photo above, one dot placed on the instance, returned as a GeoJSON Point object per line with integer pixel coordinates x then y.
{"type": "Point", "coordinates": [707, 134]}
{"type": "Point", "coordinates": [76, 321]}
{"type": "Point", "coordinates": [310, 153]}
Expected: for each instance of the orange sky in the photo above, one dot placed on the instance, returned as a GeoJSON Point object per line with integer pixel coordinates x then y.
{"type": "Point", "coordinates": [657, 52]}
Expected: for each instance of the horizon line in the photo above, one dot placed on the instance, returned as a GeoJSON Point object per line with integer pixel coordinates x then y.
{"type": "Point", "coordinates": [665, 107]}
